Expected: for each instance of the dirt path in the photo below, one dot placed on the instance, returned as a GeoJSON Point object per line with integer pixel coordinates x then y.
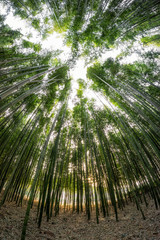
{"type": "Point", "coordinates": [67, 226]}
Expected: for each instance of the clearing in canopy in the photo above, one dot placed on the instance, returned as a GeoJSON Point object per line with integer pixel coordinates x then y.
{"type": "Point", "coordinates": [79, 106]}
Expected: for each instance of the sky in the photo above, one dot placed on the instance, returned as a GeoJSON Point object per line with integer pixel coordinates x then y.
{"type": "Point", "coordinates": [55, 42]}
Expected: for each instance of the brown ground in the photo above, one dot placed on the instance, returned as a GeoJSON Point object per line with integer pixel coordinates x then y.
{"type": "Point", "coordinates": [67, 226]}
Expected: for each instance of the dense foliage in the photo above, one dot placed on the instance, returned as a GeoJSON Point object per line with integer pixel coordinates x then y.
{"type": "Point", "coordinates": [88, 156]}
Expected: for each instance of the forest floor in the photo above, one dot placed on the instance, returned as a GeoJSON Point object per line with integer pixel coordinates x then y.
{"type": "Point", "coordinates": [69, 225]}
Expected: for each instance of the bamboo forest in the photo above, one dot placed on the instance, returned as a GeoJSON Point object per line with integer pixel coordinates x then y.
{"type": "Point", "coordinates": [79, 113]}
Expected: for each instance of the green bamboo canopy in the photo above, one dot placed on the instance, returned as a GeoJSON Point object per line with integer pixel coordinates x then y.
{"type": "Point", "coordinates": [88, 156]}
